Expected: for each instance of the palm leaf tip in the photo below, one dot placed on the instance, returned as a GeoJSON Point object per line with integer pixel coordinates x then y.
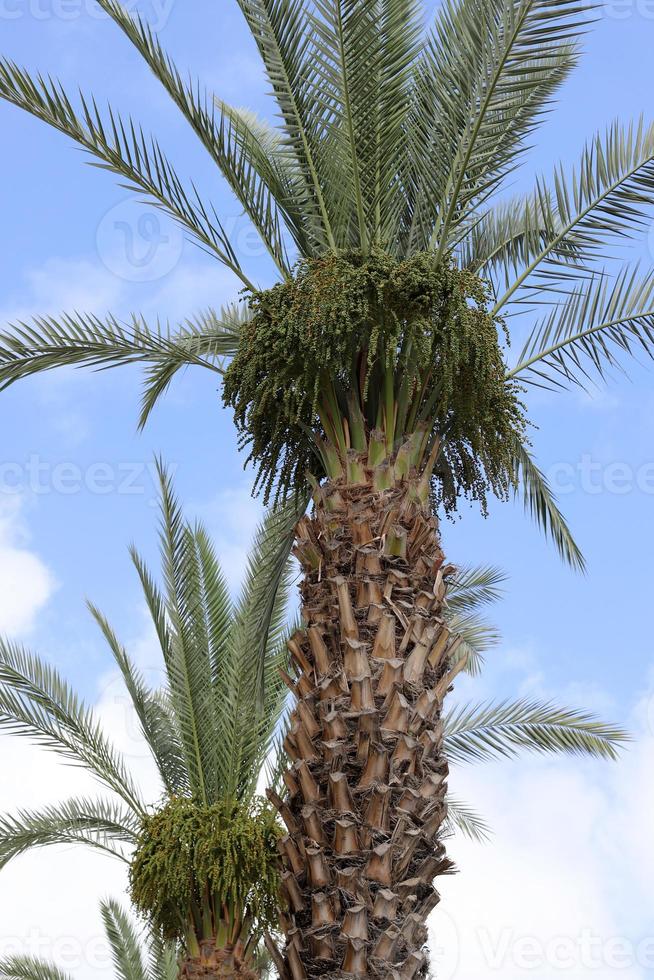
{"type": "Point", "coordinates": [540, 503]}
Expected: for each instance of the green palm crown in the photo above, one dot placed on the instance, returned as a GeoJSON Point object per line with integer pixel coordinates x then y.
{"type": "Point", "coordinates": [391, 139]}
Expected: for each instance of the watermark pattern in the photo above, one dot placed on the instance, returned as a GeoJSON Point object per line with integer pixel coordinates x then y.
{"type": "Point", "coordinates": [42, 478]}
{"type": "Point", "coordinates": [155, 12]}
{"type": "Point", "coordinates": [507, 950]}
{"type": "Point", "coordinates": [67, 951]}
{"type": "Point", "coordinates": [136, 477]}
{"type": "Point", "coordinates": [626, 9]}
{"type": "Point", "coordinates": [139, 242]}
{"type": "Point", "coordinates": [503, 952]}
{"type": "Point", "coordinates": [595, 477]}
{"type": "Point", "coordinates": [443, 946]}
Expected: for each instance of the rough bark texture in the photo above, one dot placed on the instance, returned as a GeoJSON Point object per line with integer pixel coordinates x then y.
{"type": "Point", "coordinates": [216, 963]}
{"type": "Point", "coordinates": [365, 799]}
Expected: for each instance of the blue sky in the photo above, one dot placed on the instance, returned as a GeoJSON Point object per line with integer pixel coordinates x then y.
{"type": "Point", "coordinates": [76, 477]}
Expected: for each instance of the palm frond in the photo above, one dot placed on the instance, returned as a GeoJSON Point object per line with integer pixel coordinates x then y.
{"type": "Point", "coordinates": [30, 968]}
{"type": "Point", "coordinates": [163, 963]}
{"type": "Point", "coordinates": [207, 339]}
{"type": "Point", "coordinates": [479, 733]}
{"type": "Point", "coordinates": [488, 73]}
{"type": "Point", "coordinates": [363, 61]}
{"type": "Point", "coordinates": [540, 503]}
{"type": "Point", "coordinates": [504, 239]}
{"type": "Point", "coordinates": [86, 340]}
{"type": "Point", "coordinates": [37, 703]}
{"type": "Point", "coordinates": [277, 761]}
{"type": "Point", "coordinates": [257, 693]}
{"type": "Point", "coordinates": [461, 818]}
{"type": "Point", "coordinates": [262, 606]}
{"type": "Point", "coordinates": [122, 148]}
{"type": "Point", "coordinates": [125, 942]}
{"type": "Point", "coordinates": [101, 824]}
{"type": "Point", "coordinates": [155, 722]}
{"type": "Point", "coordinates": [188, 663]}
{"type": "Point", "coordinates": [256, 171]}
{"type": "Point", "coordinates": [284, 35]}
{"type": "Point", "coordinates": [591, 332]}
{"type": "Point", "coordinates": [606, 200]}
{"type": "Point", "coordinates": [474, 586]}
{"type": "Point", "coordinates": [476, 637]}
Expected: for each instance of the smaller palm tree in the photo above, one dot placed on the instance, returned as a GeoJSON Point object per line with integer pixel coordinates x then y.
{"type": "Point", "coordinates": [203, 862]}
{"type": "Point", "coordinates": [132, 958]}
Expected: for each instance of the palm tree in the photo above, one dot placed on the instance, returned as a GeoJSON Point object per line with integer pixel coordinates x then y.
{"type": "Point", "coordinates": [37, 703]}
{"type": "Point", "coordinates": [375, 373]}
{"type": "Point", "coordinates": [132, 959]}
{"type": "Point", "coordinates": [203, 862]}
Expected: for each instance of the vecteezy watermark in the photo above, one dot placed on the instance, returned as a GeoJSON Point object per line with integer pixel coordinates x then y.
{"type": "Point", "coordinates": [43, 478]}
{"type": "Point", "coordinates": [506, 951]}
{"type": "Point", "coordinates": [625, 9]}
{"type": "Point", "coordinates": [595, 477]}
{"type": "Point", "coordinates": [443, 945]}
{"type": "Point", "coordinates": [68, 951]}
{"type": "Point", "coordinates": [155, 12]}
{"type": "Point", "coordinates": [139, 242]}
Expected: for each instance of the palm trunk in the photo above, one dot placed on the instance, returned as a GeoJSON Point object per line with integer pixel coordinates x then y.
{"type": "Point", "coordinates": [365, 800]}
{"type": "Point", "coordinates": [214, 962]}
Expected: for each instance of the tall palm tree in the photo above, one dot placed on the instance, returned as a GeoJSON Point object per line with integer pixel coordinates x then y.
{"type": "Point", "coordinates": [375, 373]}
{"type": "Point", "coordinates": [203, 861]}
{"type": "Point", "coordinates": [132, 958]}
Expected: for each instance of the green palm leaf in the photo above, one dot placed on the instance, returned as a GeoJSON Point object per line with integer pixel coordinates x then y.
{"type": "Point", "coordinates": [156, 723]}
{"type": "Point", "coordinates": [539, 501]}
{"type": "Point", "coordinates": [124, 941]}
{"type": "Point", "coordinates": [100, 824]}
{"type": "Point", "coordinates": [605, 200]}
{"type": "Point", "coordinates": [122, 148]}
{"type": "Point", "coordinates": [283, 33]}
{"type": "Point", "coordinates": [591, 332]}
{"type": "Point", "coordinates": [30, 968]}
{"type": "Point", "coordinates": [188, 663]}
{"type": "Point", "coordinates": [474, 586]}
{"type": "Point", "coordinates": [36, 702]}
{"type": "Point", "coordinates": [479, 733]}
{"type": "Point", "coordinates": [506, 238]}
{"type": "Point", "coordinates": [488, 72]}
{"type": "Point", "coordinates": [461, 818]}
{"type": "Point", "coordinates": [255, 170]}
{"type": "Point", "coordinates": [207, 339]}
{"type": "Point", "coordinates": [87, 340]}
{"type": "Point", "coordinates": [253, 685]}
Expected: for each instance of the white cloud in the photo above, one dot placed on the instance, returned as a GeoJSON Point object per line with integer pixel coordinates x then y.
{"type": "Point", "coordinates": [26, 583]}
{"type": "Point", "coordinates": [564, 888]}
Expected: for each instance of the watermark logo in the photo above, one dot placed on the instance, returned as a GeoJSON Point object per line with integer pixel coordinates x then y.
{"type": "Point", "coordinates": [139, 243]}
{"type": "Point", "coordinates": [625, 9]}
{"type": "Point", "coordinates": [155, 12]}
{"type": "Point", "coordinates": [506, 951]}
{"type": "Point", "coordinates": [44, 478]}
{"type": "Point", "coordinates": [68, 951]}
{"type": "Point", "coordinates": [443, 945]}
{"type": "Point", "coordinates": [594, 477]}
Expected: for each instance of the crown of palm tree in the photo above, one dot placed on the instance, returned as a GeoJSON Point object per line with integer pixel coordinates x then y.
{"type": "Point", "coordinates": [387, 135]}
